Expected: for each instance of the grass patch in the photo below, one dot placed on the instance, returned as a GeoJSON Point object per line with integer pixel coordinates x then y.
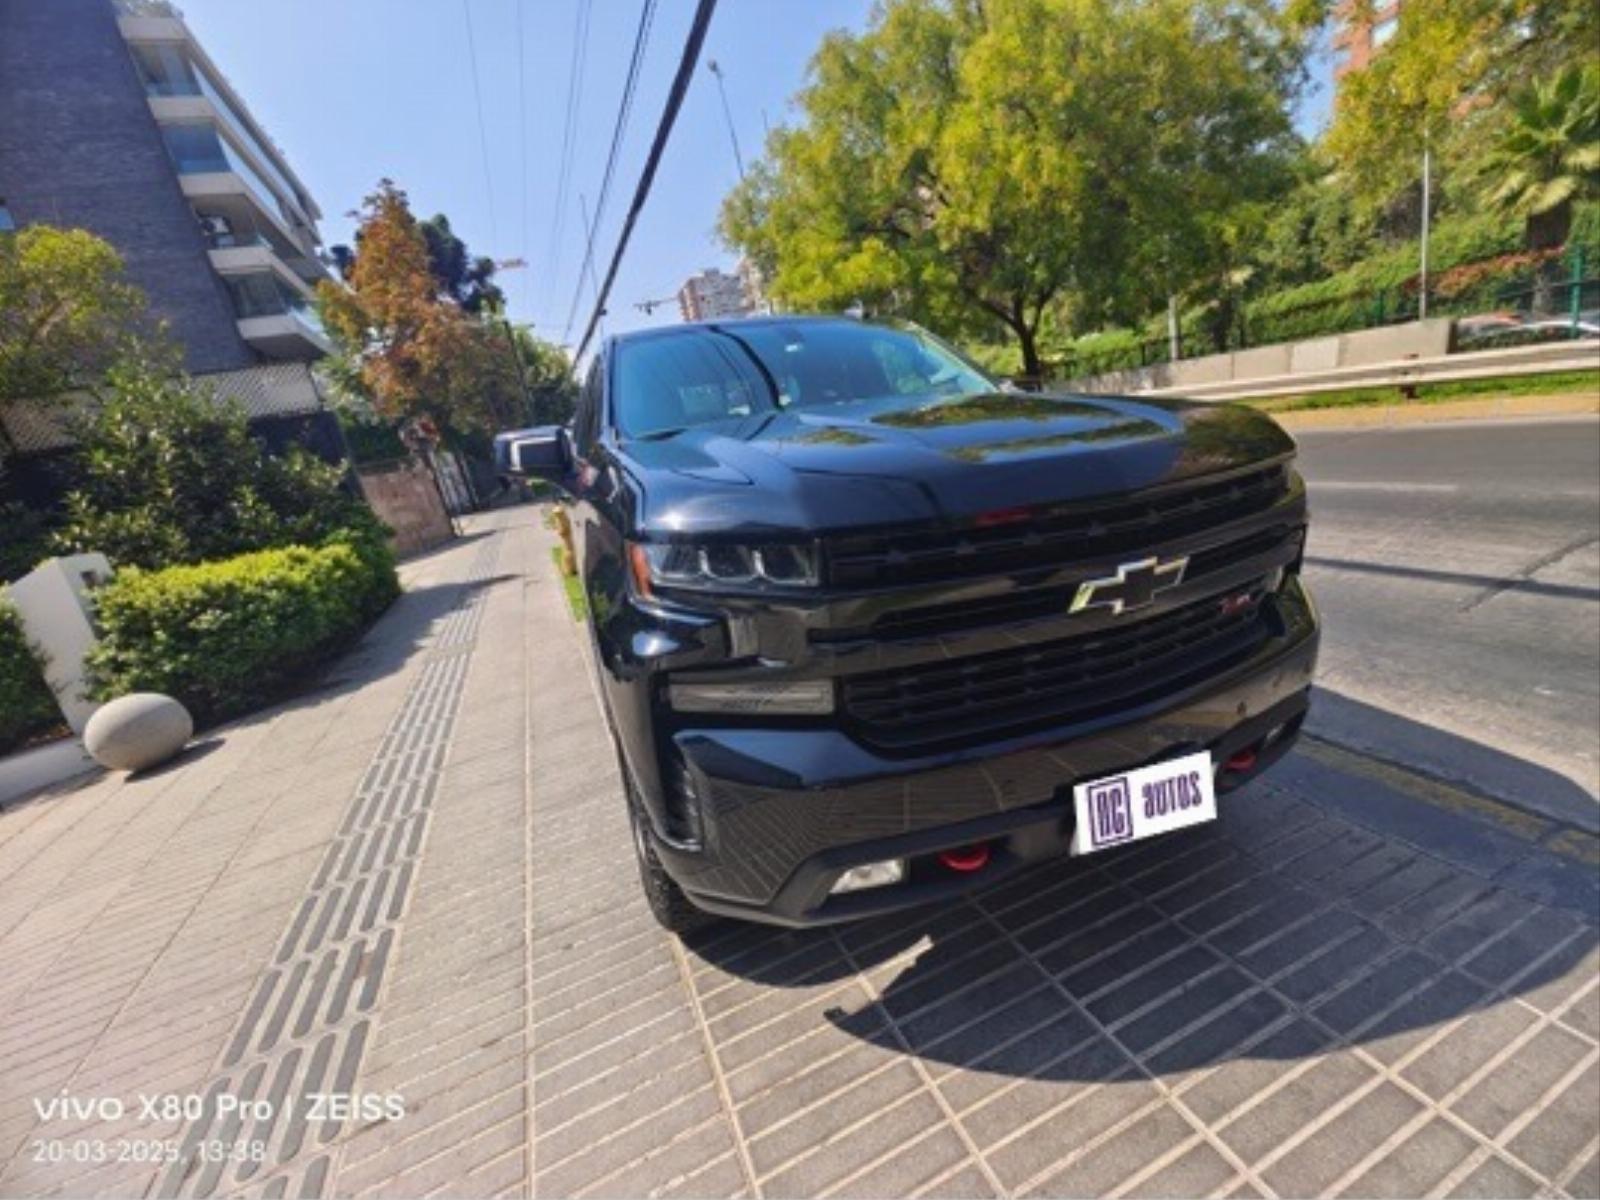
{"type": "Point", "coordinates": [1562, 383]}
{"type": "Point", "coordinates": [574, 588]}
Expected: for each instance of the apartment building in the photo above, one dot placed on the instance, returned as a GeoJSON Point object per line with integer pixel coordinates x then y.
{"type": "Point", "coordinates": [712, 294]}
{"type": "Point", "coordinates": [1358, 35]}
{"type": "Point", "coordinates": [114, 118]}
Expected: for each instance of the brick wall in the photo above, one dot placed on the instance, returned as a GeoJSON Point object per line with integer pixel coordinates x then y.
{"type": "Point", "coordinates": [406, 499]}
{"type": "Point", "coordinates": [79, 147]}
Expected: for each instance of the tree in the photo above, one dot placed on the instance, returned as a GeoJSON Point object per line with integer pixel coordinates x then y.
{"type": "Point", "coordinates": [66, 312]}
{"type": "Point", "coordinates": [976, 164]}
{"type": "Point", "coordinates": [465, 279]}
{"type": "Point", "coordinates": [552, 387]}
{"type": "Point", "coordinates": [405, 349]}
{"type": "Point", "coordinates": [420, 332]}
{"type": "Point", "coordinates": [1548, 156]}
{"type": "Point", "coordinates": [1444, 79]}
{"type": "Point", "coordinates": [168, 473]}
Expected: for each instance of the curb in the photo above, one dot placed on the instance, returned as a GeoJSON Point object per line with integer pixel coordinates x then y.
{"type": "Point", "coordinates": [1536, 829]}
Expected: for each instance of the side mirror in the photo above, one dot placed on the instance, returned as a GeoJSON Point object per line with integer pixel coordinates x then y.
{"type": "Point", "coordinates": [539, 453]}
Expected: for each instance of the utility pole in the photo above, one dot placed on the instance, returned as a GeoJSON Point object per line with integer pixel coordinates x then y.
{"type": "Point", "coordinates": [738, 159]}
{"type": "Point", "coordinates": [1427, 190]}
{"type": "Point", "coordinates": [522, 373]}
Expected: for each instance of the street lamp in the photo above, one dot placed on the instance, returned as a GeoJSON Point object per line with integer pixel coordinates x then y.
{"type": "Point", "coordinates": [727, 112]}
{"type": "Point", "coordinates": [516, 264]}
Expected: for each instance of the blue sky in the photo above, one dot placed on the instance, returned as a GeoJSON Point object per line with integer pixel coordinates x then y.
{"type": "Point", "coordinates": [354, 90]}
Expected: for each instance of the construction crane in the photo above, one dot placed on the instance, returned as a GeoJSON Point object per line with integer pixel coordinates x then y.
{"type": "Point", "coordinates": [648, 307]}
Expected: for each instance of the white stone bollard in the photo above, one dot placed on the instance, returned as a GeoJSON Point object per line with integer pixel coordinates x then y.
{"type": "Point", "coordinates": [53, 604]}
{"type": "Point", "coordinates": [136, 731]}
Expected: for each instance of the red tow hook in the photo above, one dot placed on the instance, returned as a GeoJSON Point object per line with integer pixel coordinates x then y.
{"type": "Point", "coordinates": [1244, 760]}
{"type": "Point", "coordinates": [966, 859]}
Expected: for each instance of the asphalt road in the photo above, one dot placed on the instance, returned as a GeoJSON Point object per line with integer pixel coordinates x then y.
{"type": "Point", "coordinates": [1458, 571]}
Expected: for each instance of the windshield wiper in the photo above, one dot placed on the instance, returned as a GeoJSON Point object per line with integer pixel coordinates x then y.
{"type": "Point", "coordinates": [749, 352]}
{"type": "Point", "coordinates": [658, 435]}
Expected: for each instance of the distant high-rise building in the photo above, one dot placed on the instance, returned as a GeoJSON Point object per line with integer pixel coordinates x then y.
{"type": "Point", "coordinates": [1359, 35]}
{"type": "Point", "coordinates": [712, 294]}
{"type": "Point", "coordinates": [755, 285]}
{"type": "Point", "coordinates": [114, 119]}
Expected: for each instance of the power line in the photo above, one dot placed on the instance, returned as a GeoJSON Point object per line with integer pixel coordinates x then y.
{"type": "Point", "coordinates": [580, 53]}
{"type": "Point", "coordinates": [641, 38]}
{"type": "Point", "coordinates": [483, 135]}
{"type": "Point", "coordinates": [669, 115]}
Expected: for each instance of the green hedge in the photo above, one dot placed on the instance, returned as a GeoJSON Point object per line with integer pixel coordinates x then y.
{"type": "Point", "coordinates": [27, 706]}
{"type": "Point", "coordinates": [228, 636]}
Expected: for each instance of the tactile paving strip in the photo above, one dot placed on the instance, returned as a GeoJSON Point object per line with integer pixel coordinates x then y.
{"type": "Point", "coordinates": [303, 1033]}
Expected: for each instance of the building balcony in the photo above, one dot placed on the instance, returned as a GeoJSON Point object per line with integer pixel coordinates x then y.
{"type": "Point", "coordinates": [151, 23]}
{"type": "Point", "coordinates": [274, 309]}
{"type": "Point", "coordinates": [227, 192]}
{"type": "Point", "coordinates": [178, 108]}
{"type": "Point", "coordinates": [236, 254]}
{"type": "Point", "coordinates": [289, 334]}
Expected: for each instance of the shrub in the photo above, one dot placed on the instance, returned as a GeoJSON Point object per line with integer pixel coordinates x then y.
{"type": "Point", "coordinates": [369, 440]}
{"type": "Point", "coordinates": [1351, 298]}
{"type": "Point", "coordinates": [27, 706]}
{"type": "Point", "coordinates": [166, 473]}
{"type": "Point", "coordinates": [227, 636]}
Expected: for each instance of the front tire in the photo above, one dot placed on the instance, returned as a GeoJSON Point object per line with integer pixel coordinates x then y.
{"type": "Point", "coordinates": [673, 910]}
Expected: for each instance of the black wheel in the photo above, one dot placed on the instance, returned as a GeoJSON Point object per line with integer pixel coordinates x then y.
{"type": "Point", "coordinates": [674, 911]}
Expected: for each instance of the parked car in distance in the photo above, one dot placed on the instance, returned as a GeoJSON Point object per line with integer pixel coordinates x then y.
{"type": "Point", "coordinates": [870, 630]}
{"type": "Point", "coordinates": [1498, 331]}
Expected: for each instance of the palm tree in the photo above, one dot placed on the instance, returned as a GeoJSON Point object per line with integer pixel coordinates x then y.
{"type": "Point", "coordinates": [1548, 155]}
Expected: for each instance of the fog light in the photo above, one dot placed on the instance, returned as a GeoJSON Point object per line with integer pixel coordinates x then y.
{"type": "Point", "coordinates": [807, 697]}
{"type": "Point", "coordinates": [878, 874]}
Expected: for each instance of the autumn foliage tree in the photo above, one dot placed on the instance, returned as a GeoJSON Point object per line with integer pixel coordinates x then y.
{"type": "Point", "coordinates": [419, 331]}
{"type": "Point", "coordinates": [408, 351]}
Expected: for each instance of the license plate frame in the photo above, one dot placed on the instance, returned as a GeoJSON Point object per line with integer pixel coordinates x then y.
{"type": "Point", "coordinates": [1116, 810]}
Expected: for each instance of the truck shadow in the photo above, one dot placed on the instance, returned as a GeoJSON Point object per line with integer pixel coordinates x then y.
{"type": "Point", "coordinates": [1284, 929]}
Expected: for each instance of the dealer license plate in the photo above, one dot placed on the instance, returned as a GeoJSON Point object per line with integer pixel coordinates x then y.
{"type": "Point", "coordinates": [1139, 804]}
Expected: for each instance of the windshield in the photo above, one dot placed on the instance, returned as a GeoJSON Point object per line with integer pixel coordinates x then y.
{"type": "Point", "coordinates": [717, 372]}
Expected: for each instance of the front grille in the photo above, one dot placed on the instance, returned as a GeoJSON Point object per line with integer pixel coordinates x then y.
{"type": "Point", "coordinates": [1072, 679]}
{"type": "Point", "coordinates": [1042, 603]}
{"type": "Point", "coordinates": [1048, 537]}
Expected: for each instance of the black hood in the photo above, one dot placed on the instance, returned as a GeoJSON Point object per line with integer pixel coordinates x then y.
{"type": "Point", "coordinates": [903, 459]}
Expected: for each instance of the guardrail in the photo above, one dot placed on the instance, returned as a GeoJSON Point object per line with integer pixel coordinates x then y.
{"type": "Point", "coordinates": [1544, 359]}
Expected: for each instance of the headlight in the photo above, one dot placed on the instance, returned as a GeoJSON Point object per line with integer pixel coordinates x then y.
{"type": "Point", "coordinates": [720, 565]}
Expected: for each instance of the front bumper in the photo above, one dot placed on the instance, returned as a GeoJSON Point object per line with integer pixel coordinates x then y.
{"type": "Point", "coordinates": [785, 811]}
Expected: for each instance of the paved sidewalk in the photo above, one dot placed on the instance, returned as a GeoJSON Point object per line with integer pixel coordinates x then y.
{"type": "Point", "coordinates": [416, 885]}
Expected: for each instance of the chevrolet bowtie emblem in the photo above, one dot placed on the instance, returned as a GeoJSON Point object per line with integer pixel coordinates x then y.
{"type": "Point", "coordinates": [1134, 586]}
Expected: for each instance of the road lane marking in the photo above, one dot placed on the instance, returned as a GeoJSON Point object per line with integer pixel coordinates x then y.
{"type": "Point", "coordinates": [1362, 485]}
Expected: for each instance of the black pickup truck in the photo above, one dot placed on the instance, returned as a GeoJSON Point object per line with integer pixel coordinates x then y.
{"type": "Point", "coordinates": [871, 629]}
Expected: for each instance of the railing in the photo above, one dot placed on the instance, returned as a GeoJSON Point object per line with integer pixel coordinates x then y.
{"type": "Point", "coordinates": [233, 241]}
{"type": "Point", "coordinates": [306, 317]}
{"type": "Point", "coordinates": [171, 87]}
